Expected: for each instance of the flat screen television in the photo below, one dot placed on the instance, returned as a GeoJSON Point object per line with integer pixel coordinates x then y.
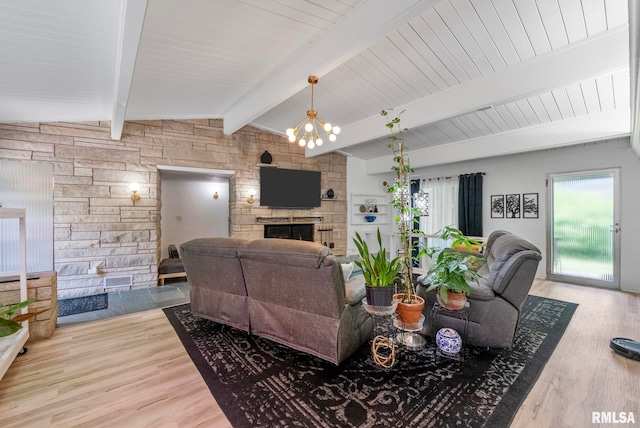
{"type": "Point", "coordinates": [289, 188]}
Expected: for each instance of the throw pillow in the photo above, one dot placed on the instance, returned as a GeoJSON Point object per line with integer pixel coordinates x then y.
{"type": "Point", "coordinates": [347, 268]}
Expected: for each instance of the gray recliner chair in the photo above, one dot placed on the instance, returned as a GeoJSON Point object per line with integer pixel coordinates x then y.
{"type": "Point", "coordinates": [495, 302]}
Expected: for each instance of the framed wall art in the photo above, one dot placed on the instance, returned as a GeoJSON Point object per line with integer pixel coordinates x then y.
{"type": "Point", "coordinates": [529, 205]}
{"type": "Point", "coordinates": [497, 206]}
{"type": "Point", "coordinates": [512, 205]}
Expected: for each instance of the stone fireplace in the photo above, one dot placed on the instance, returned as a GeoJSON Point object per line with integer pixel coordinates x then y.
{"type": "Point", "coordinates": [303, 232]}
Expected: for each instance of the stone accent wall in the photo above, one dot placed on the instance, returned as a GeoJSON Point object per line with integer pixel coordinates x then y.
{"type": "Point", "coordinates": [97, 225]}
{"type": "Point", "coordinates": [44, 291]}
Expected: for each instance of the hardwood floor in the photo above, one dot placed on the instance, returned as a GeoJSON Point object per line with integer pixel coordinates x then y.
{"type": "Point", "coordinates": [584, 375]}
{"type": "Point", "coordinates": [132, 371]}
{"type": "Point", "coordinates": [128, 371]}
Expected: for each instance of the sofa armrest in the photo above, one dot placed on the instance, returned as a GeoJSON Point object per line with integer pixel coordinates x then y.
{"type": "Point", "coordinates": [354, 290]}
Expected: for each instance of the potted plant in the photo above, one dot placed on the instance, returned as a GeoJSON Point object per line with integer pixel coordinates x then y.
{"type": "Point", "coordinates": [379, 272]}
{"type": "Point", "coordinates": [10, 323]}
{"type": "Point", "coordinates": [453, 269]}
{"type": "Point", "coordinates": [410, 305]}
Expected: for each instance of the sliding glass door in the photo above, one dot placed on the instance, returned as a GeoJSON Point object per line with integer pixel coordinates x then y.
{"type": "Point", "coordinates": [584, 228]}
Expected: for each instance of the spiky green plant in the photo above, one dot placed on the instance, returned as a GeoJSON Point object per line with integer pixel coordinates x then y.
{"type": "Point", "coordinates": [378, 269]}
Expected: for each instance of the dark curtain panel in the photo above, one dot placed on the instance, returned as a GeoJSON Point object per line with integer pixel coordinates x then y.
{"type": "Point", "coordinates": [470, 204]}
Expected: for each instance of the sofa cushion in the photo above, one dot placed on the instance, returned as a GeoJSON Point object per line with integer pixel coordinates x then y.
{"type": "Point", "coordinates": [354, 290]}
{"type": "Point", "coordinates": [481, 291]}
{"type": "Point", "coordinates": [286, 252]}
{"type": "Point", "coordinates": [170, 265]}
{"type": "Point", "coordinates": [347, 269]}
{"type": "Point", "coordinates": [351, 259]}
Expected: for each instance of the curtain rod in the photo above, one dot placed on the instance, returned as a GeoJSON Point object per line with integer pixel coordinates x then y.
{"type": "Point", "coordinates": [449, 177]}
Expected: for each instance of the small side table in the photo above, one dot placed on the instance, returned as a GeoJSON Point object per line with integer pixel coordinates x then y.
{"type": "Point", "coordinates": [463, 314]}
{"type": "Point", "coordinates": [408, 334]}
{"type": "Point", "coordinates": [383, 348]}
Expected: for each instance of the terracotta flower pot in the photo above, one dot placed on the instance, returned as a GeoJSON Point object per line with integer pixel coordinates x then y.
{"type": "Point", "coordinates": [455, 300]}
{"type": "Point", "coordinates": [409, 313]}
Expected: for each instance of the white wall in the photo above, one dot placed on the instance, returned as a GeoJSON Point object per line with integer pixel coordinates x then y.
{"type": "Point", "coordinates": [359, 182]}
{"type": "Point", "coordinates": [526, 173]}
{"type": "Point", "coordinates": [189, 211]}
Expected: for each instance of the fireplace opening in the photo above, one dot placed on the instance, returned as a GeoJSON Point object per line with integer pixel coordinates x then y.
{"type": "Point", "coordinates": [302, 232]}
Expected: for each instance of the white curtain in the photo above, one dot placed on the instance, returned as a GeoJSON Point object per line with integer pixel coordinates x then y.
{"type": "Point", "coordinates": [443, 209]}
{"type": "Point", "coordinates": [443, 205]}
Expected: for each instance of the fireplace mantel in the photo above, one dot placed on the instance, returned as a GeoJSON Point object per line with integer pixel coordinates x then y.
{"type": "Point", "coordinates": [284, 220]}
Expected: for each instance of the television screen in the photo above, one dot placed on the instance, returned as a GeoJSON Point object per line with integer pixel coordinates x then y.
{"type": "Point", "coordinates": [289, 188]}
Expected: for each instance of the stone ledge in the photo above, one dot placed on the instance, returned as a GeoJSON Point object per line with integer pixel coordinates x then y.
{"type": "Point", "coordinates": [44, 289]}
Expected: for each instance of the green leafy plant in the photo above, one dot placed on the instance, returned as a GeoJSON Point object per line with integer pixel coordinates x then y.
{"type": "Point", "coordinates": [450, 233]}
{"type": "Point", "coordinates": [377, 269]}
{"type": "Point", "coordinates": [452, 269]}
{"type": "Point", "coordinates": [401, 202]}
{"type": "Point", "coordinates": [10, 323]}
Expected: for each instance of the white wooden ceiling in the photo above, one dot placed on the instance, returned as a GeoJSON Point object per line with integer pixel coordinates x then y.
{"type": "Point", "coordinates": [475, 77]}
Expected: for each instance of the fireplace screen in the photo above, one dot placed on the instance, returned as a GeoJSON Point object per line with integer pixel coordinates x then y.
{"type": "Point", "coordinates": [302, 232]}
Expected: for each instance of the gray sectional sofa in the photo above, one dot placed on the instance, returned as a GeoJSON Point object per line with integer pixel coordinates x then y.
{"type": "Point", "coordinates": [292, 292]}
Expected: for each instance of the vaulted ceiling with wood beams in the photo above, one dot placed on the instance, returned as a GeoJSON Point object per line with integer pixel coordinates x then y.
{"type": "Point", "coordinates": [475, 78]}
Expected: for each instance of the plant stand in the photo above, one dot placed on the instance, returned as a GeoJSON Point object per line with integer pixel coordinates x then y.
{"type": "Point", "coordinates": [463, 314]}
{"type": "Point", "coordinates": [408, 335]}
{"type": "Point", "coordinates": [383, 349]}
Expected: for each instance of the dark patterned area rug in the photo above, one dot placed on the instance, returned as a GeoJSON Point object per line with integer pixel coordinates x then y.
{"type": "Point", "coordinates": [257, 382]}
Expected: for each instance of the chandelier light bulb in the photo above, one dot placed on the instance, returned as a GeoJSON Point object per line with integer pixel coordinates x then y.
{"type": "Point", "coordinates": [312, 123]}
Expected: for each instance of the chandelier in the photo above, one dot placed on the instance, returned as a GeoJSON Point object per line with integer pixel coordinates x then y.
{"type": "Point", "coordinates": [310, 124]}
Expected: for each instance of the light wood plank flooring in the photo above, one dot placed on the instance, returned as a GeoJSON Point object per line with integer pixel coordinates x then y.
{"type": "Point", "coordinates": [132, 371]}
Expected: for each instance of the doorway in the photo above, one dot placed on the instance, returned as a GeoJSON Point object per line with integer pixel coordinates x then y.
{"type": "Point", "coordinates": [195, 204]}
{"type": "Point", "coordinates": [583, 222]}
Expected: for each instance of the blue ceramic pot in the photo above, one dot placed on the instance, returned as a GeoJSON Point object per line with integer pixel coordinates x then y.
{"type": "Point", "coordinates": [448, 341]}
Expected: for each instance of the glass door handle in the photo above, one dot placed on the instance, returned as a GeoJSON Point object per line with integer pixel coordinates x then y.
{"type": "Point", "coordinates": [615, 228]}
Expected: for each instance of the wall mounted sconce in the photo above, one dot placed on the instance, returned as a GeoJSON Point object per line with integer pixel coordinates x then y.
{"type": "Point", "coordinates": [215, 195]}
{"type": "Point", "coordinates": [134, 187]}
{"type": "Point", "coordinates": [252, 193]}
